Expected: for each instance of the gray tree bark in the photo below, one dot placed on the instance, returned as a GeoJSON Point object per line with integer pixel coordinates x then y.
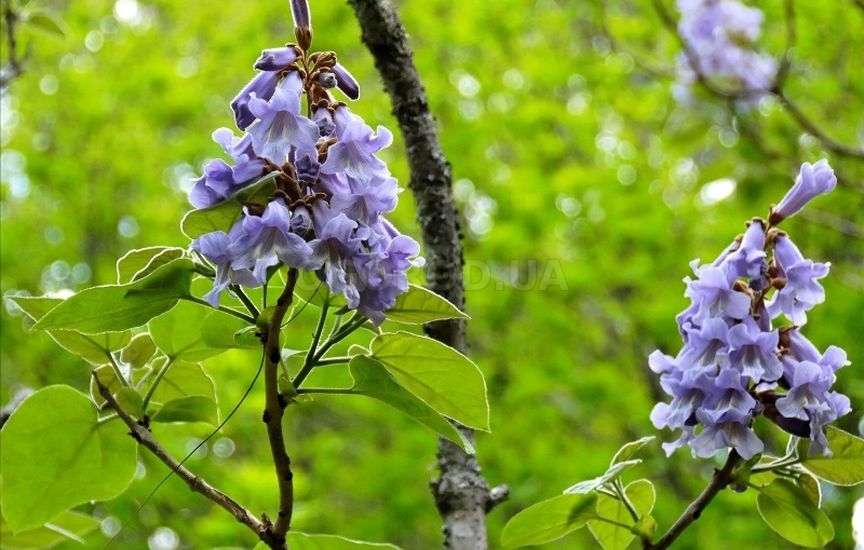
{"type": "Point", "coordinates": [462, 495]}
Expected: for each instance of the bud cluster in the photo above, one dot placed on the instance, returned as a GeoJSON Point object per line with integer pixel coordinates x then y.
{"type": "Point", "coordinates": [332, 191]}
{"type": "Point", "coordinates": [735, 364]}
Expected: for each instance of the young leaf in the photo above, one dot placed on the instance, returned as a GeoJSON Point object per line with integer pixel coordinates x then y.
{"type": "Point", "coordinates": [846, 464]}
{"type": "Point", "coordinates": [549, 520]}
{"type": "Point", "coordinates": [630, 449]}
{"type": "Point", "coordinates": [192, 408]}
{"type": "Point", "coordinates": [113, 308]}
{"type": "Point", "coordinates": [304, 541]}
{"type": "Point", "coordinates": [442, 377]}
{"type": "Point", "coordinates": [372, 380]}
{"type": "Point", "coordinates": [641, 495]}
{"type": "Point", "coordinates": [139, 351]}
{"type": "Point", "coordinates": [95, 349]}
{"type": "Point", "coordinates": [186, 393]}
{"type": "Point", "coordinates": [420, 305]}
{"type": "Point", "coordinates": [224, 215]}
{"type": "Point", "coordinates": [56, 455]}
{"type": "Point", "coordinates": [67, 526]}
{"type": "Point", "coordinates": [612, 473]}
{"type": "Point", "coordinates": [788, 510]}
{"type": "Point", "coordinates": [47, 22]}
{"type": "Point", "coordinates": [137, 263]}
{"type": "Point", "coordinates": [314, 291]}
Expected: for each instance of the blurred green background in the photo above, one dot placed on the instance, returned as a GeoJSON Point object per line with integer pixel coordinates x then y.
{"type": "Point", "coordinates": [585, 191]}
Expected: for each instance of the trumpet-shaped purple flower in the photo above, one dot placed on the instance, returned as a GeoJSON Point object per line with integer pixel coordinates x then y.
{"type": "Point", "coordinates": [280, 129]}
{"type": "Point", "coordinates": [346, 82]}
{"type": "Point", "coordinates": [753, 352]}
{"type": "Point", "coordinates": [748, 260]}
{"type": "Point", "coordinates": [809, 399]}
{"type": "Point", "coordinates": [813, 180]}
{"type": "Point", "coordinates": [261, 242]}
{"type": "Point", "coordinates": [261, 86]}
{"type": "Point", "coordinates": [220, 180]}
{"type": "Point", "coordinates": [712, 296]}
{"type": "Point", "coordinates": [801, 291]}
{"type": "Point", "coordinates": [214, 247]}
{"type": "Point", "coordinates": [277, 59]}
{"type": "Point", "coordinates": [354, 154]}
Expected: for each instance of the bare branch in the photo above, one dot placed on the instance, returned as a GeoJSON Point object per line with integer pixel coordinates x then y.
{"type": "Point", "coordinates": [141, 433]}
{"type": "Point", "coordinates": [15, 64]}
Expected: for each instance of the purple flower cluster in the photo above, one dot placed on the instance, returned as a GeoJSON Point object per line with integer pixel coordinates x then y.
{"type": "Point", "coordinates": [735, 365]}
{"type": "Point", "coordinates": [332, 191]}
{"type": "Point", "coordinates": [720, 36]}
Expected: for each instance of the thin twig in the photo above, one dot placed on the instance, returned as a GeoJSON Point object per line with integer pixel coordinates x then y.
{"type": "Point", "coordinates": [141, 433]}
{"type": "Point", "coordinates": [777, 89]}
{"type": "Point", "coordinates": [15, 65]}
{"type": "Point", "coordinates": [719, 481]}
{"type": "Point", "coordinates": [275, 407]}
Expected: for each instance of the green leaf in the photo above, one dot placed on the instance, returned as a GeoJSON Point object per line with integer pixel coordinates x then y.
{"type": "Point", "coordinates": [113, 308]}
{"type": "Point", "coordinates": [549, 520]}
{"type": "Point", "coordinates": [56, 455]}
{"type": "Point", "coordinates": [846, 464]}
{"type": "Point", "coordinates": [95, 349]}
{"type": "Point", "coordinates": [788, 510]}
{"type": "Point", "coordinates": [222, 332]}
{"type": "Point", "coordinates": [372, 380]}
{"type": "Point", "coordinates": [185, 393]}
{"type": "Point", "coordinates": [47, 22]}
{"type": "Point", "coordinates": [193, 331]}
{"type": "Point", "coordinates": [67, 526]}
{"type": "Point", "coordinates": [140, 262]}
{"type": "Point", "coordinates": [611, 474]}
{"type": "Point", "coordinates": [641, 495]}
{"type": "Point", "coordinates": [193, 408]}
{"type": "Point", "coordinates": [224, 215]}
{"type": "Point", "coordinates": [139, 351]}
{"type": "Point", "coordinates": [630, 449]}
{"type": "Point", "coordinates": [442, 377]}
{"type": "Point", "coordinates": [304, 541]}
{"type": "Point", "coordinates": [420, 305]}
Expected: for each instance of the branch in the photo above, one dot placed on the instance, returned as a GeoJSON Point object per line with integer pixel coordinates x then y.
{"type": "Point", "coordinates": [719, 480]}
{"type": "Point", "coordinates": [461, 494]}
{"type": "Point", "coordinates": [15, 65]}
{"type": "Point", "coordinates": [141, 433]}
{"type": "Point", "coordinates": [275, 407]}
{"type": "Point", "coordinates": [802, 119]}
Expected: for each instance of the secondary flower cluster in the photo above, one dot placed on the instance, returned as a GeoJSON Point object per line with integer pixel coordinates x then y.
{"type": "Point", "coordinates": [720, 35]}
{"type": "Point", "coordinates": [735, 365]}
{"type": "Point", "coordinates": [331, 190]}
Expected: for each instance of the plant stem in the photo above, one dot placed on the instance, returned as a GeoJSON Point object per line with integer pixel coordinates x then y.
{"type": "Point", "coordinates": [223, 309]}
{"type": "Point", "coordinates": [326, 361]}
{"type": "Point", "coordinates": [238, 291]}
{"type": "Point", "coordinates": [343, 332]}
{"type": "Point", "coordinates": [719, 480]}
{"type": "Point", "coordinates": [308, 362]}
{"type": "Point", "coordinates": [117, 372]}
{"type": "Point", "coordinates": [275, 407]}
{"type": "Point", "coordinates": [144, 437]}
{"type": "Point", "coordinates": [156, 381]}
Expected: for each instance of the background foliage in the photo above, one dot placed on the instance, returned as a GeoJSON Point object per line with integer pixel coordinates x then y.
{"type": "Point", "coordinates": [567, 151]}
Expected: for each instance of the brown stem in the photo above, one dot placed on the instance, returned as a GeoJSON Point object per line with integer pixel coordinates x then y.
{"type": "Point", "coordinates": [144, 437]}
{"type": "Point", "coordinates": [462, 495]}
{"type": "Point", "coordinates": [719, 480]}
{"type": "Point", "coordinates": [275, 407]}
